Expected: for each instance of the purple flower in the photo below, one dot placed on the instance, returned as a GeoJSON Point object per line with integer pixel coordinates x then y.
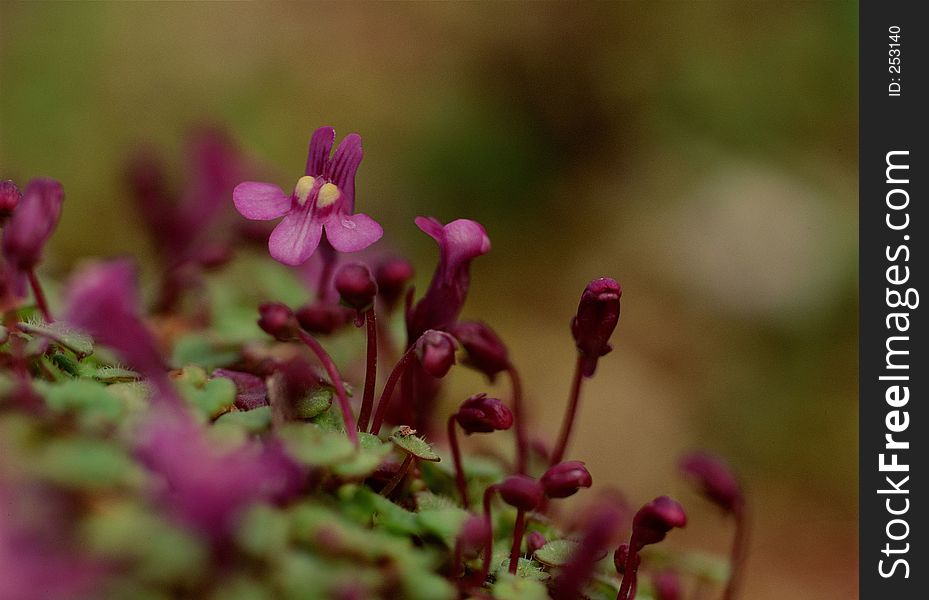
{"type": "Point", "coordinates": [10, 198]}
{"type": "Point", "coordinates": [32, 224]}
{"type": "Point", "coordinates": [251, 391]}
{"type": "Point", "coordinates": [392, 276]}
{"type": "Point", "coordinates": [324, 198]}
{"type": "Point", "coordinates": [436, 352]}
{"type": "Point", "coordinates": [667, 586]}
{"type": "Point", "coordinates": [565, 479]}
{"type": "Point", "coordinates": [207, 487]}
{"type": "Point", "coordinates": [521, 491]}
{"type": "Point", "coordinates": [597, 316]}
{"type": "Point", "coordinates": [101, 300]}
{"type": "Point", "coordinates": [277, 320]}
{"type": "Point", "coordinates": [460, 242]}
{"type": "Point", "coordinates": [534, 541]}
{"type": "Point", "coordinates": [356, 286]}
{"type": "Point", "coordinates": [480, 414]}
{"type": "Point", "coordinates": [715, 479]}
{"type": "Point", "coordinates": [484, 350]}
{"type": "Point", "coordinates": [654, 520]}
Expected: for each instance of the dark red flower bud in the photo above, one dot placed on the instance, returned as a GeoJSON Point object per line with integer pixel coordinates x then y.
{"type": "Point", "coordinates": [565, 479]}
{"type": "Point", "coordinates": [715, 479]}
{"type": "Point", "coordinates": [322, 319]}
{"type": "Point", "coordinates": [485, 351]}
{"type": "Point", "coordinates": [597, 315]}
{"type": "Point", "coordinates": [436, 352]}
{"type": "Point", "coordinates": [521, 491]}
{"type": "Point", "coordinates": [473, 535]}
{"type": "Point", "coordinates": [356, 286]}
{"type": "Point", "coordinates": [277, 320]}
{"type": "Point", "coordinates": [480, 414]}
{"type": "Point", "coordinates": [667, 586]}
{"type": "Point", "coordinates": [654, 520]}
{"type": "Point", "coordinates": [9, 199]}
{"type": "Point", "coordinates": [620, 557]}
{"type": "Point", "coordinates": [534, 541]}
{"type": "Point", "coordinates": [392, 277]}
{"type": "Point", "coordinates": [32, 223]}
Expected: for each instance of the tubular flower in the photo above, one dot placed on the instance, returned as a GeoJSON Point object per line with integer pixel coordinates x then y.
{"type": "Point", "coordinates": [480, 414]}
{"type": "Point", "coordinates": [597, 316]}
{"type": "Point", "coordinates": [565, 479]}
{"type": "Point", "coordinates": [324, 198]}
{"type": "Point", "coordinates": [485, 351]}
{"type": "Point", "coordinates": [715, 479]}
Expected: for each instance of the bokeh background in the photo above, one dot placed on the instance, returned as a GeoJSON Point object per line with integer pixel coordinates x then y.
{"type": "Point", "coordinates": [703, 154]}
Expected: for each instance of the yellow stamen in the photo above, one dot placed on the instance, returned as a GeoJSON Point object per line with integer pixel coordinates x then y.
{"type": "Point", "coordinates": [328, 194]}
{"type": "Point", "coordinates": [303, 188]}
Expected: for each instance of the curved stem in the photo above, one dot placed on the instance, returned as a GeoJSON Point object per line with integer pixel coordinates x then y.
{"type": "Point", "coordinates": [396, 479]}
{"type": "Point", "coordinates": [737, 557]}
{"type": "Point", "coordinates": [350, 427]}
{"type": "Point", "coordinates": [367, 402]}
{"type": "Point", "coordinates": [629, 573]}
{"type": "Point", "coordinates": [489, 542]}
{"type": "Point", "coordinates": [456, 458]}
{"type": "Point", "coordinates": [518, 531]}
{"type": "Point", "coordinates": [388, 390]}
{"type": "Point", "coordinates": [570, 413]}
{"type": "Point", "coordinates": [39, 296]}
{"type": "Point", "coordinates": [522, 441]}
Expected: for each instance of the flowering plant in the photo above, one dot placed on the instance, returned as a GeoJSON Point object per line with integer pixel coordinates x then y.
{"type": "Point", "coordinates": [169, 454]}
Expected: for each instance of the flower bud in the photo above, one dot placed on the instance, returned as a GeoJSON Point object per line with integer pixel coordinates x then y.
{"type": "Point", "coordinates": [277, 320]}
{"type": "Point", "coordinates": [473, 535]}
{"type": "Point", "coordinates": [485, 351]}
{"type": "Point", "coordinates": [356, 286]}
{"type": "Point", "coordinates": [480, 414]}
{"type": "Point", "coordinates": [392, 277]}
{"type": "Point", "coordinates": [534, 541]}
{"type": "Point", "coordinates": [715, 479]}
{"type": "Point", "coordinates": [322, 319]}
{"type": "Point", "coordinates": [436, 352]}
{"type": "Point", "coordinates": [521, 491]}
{"type": "Point", "coordinates": [9, 199]}
{"type": "Point", "coordinates": [654, 520]}
{"type": "Point", "coordinates": [251, 391]}
{"type": "Point", "coordinates": [565, 479]}
{"type": "Point", "coordinates": [597, 315]}
{"type": "Point", "coordinates": [32, 223]}
{"type": "Point", "coordinates": [667, 586]}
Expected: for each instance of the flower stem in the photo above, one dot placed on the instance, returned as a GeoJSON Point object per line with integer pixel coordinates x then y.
{"type": "Point", "coordinates": [518, 531]}
{"type": "Point", "coordinates": [456, 458]}
{"type": "Point", "coordinates": [350, 427]}
{"type": "Point", "coordinates": [388, 390]}
{"type": "Point", "coordinates": [489, 542]}
{"type": "Point", "coordinates": [570, 413]}
{"type": "Point", "coordinates": [627, 589]}
{"type": "Point", "coordinates": [396, 479]}
{"type": "Point", "coordinates": [367, 403]}
{"type": "Point", "coordinates": [39, 296]}
{"type": "Point", "coordinates": [737, 557]}
{"type": "Point", "coordinates": [522, 443]}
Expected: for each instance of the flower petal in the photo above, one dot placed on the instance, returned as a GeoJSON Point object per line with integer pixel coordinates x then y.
{"type": "Point", "coordinates": [351, 233]}
{"type": "Point", "coordinates": [343, 167]}
{"type": "Point", "coordinates": [320, 146]}
{"type": "Point", "coordinates": [295, 238]}
{"type": "Point", "coordinates": [260, 201]}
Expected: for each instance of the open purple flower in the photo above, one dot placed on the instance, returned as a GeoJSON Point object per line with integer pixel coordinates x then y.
{"type": "Point", "coordinates": [324, 198]}
{"type": "Point", "coordinates": [460, 242]}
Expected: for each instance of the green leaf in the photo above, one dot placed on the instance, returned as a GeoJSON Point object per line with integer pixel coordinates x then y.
{"type": "Point", "coordinates": [314, 404]}
{"type": "Point", "coordinates": [444, 523]}
{"type": "Point", "coordinates": [115, 375]}
{"type": "Point", "coordinates": [365, 506]}
{"type": "Point", "coordinates": [330, 420]}
{"type": "Point", "coordinates": [525, 568]}
{"type": "Point", "coordinates": [257, 420]}
{"type": "Point", "coordinates": [371, 452]}
{"type": "Point", "coordinates": [414, 445]}
{"type": "Point", "coordinates": [430, 501]}
{"type": "Point", "coordinates": [513, 587]}
{"type": "Point", "coordinates": [76, 341]}
{"type": "Point", "coordinates": [313, 446]}
{"type": "Point", "coordinates": [556, 553]}
{"type": "Point", "coordinates": [92, 402]}
{"type": "Point", "coordinates": [86, 464]}
{"type": "Point", "coordinates": [203, 350]}
{"type": "Point", "coordinates": [263, 532]}
{"type": "Point", "coordinates": [212, 397]}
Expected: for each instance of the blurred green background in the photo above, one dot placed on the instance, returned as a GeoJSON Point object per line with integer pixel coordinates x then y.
{"type": "Point", "coordinates": [703, 154]}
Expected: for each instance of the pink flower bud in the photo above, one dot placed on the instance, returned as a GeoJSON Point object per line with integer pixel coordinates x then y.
{"type": "Point", "coordinates": [33, 222]}
{"type": "Point", "coordinates": [356, 286]}
{"type": "Point", "coordinates": [9, 199]}
{"type": "Point", "coordinates": [565, 479]}
{"type": "Point", "coordinates": [322, 319]}
{"type": "Point", "coordinates": [392, 277]}
{"type": "Point", "coordinates": [480, 414]}
{"type": "Point", "coordinates": [654, 520]}
{"type": "Point", "coordinates": [667, 586]}
{"type": "Point", "coordinates": [277, 320]}
{"type": "Point", "coordinates": [597, 316]}
{"type": "Point", "coordinates": [534, 541]}
{"type": "Point", "coordinates": [521, 491]}
{"type": "Point", "coordinates": [715, 479]}
{"type": "Point", "coordinates": [485, 351]}
{"type": "Point", "coordinates": [436, 352]}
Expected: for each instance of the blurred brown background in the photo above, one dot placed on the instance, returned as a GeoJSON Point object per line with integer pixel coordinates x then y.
{"type": "Point", "coordinates": [703, 154]}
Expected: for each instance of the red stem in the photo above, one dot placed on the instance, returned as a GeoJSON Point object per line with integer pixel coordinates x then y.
{"type": "Point", "coordinates": [489, 543]}
{"type": "Point", "coordinates": [627, 589]}
{"type": "Point", "coordinates": [522, 442]}
{"type": "Point", "coordinates": [518, 531]}
{"type": "Point", "coordinates": [456, 458]}
{"type": "Point", "coordinates": [367, 403]}
{"type": "Point", "coordinates": [350, 427]}
{"type": "Point", "coordinates": [396, 479]}
{"type": "Point", "coordinates": [570, 413]}
{"type": "Point", "coordinates": [39, 296]}
{"type": "Point", "coordinates": [388, 390]}
{"type": "Point", "coordinates": [737, 557]}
